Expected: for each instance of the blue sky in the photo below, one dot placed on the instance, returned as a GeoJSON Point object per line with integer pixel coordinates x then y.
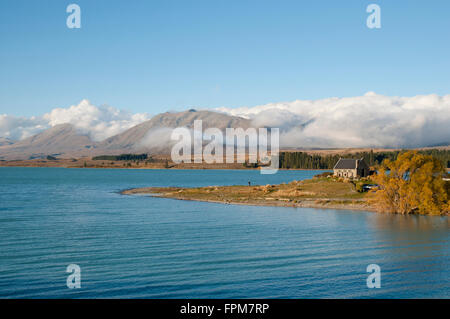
{"type": "Point", "coordinates": [154, 56]}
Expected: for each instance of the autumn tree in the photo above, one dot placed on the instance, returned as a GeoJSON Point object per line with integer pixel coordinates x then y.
{"type": "Point", "coordinates": [413, 183]}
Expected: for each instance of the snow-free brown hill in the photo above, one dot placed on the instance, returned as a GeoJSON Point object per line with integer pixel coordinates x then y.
{"type": "Point", "coordinates": [154, 134]}
{"type": "Point", "coordinates": [151, 136]}
{"type": "Point", "coordinates": [63, 139]}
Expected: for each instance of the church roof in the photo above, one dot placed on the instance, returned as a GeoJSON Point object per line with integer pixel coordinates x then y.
{"type": "Point", "coordinates": [349, 163]}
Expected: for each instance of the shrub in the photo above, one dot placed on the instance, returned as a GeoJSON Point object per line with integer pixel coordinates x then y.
{"type": "Point", "coordinates": [324, 174]}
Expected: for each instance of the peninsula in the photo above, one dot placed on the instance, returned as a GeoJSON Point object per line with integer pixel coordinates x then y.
{"type": "Point", "coordinates": [319, 192]}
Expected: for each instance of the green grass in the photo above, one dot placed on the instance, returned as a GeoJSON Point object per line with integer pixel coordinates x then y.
{"type": "Point", "coordinates": [314, 189]}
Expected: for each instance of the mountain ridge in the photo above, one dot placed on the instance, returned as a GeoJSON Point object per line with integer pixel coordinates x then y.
{"type": "Point", "coordinates": [151, 136]}
{"type": "Point", "coordinates": [66, 140]}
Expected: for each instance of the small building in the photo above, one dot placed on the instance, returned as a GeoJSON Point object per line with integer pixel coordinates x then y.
{"type": "Point", "coordinates": [351, 168]}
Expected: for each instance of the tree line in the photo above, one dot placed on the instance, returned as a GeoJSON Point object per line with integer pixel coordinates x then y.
{"type": "Point", "coordinates": [122, 157]}
{"type": "Point", "coordinates": [304, 160]}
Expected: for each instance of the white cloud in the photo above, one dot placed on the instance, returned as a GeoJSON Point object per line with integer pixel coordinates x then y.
{"type": "Point", "coordinates": [370, 120]}
{"type": "Point", "coordinates": [157, 138]}
{"type": "Point", "coordinates": [97, 122]}
{"type": "Point", "coordinates": [17, 128]}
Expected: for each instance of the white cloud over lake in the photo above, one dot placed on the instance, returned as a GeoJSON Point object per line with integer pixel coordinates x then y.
{"type": "Point", "coordinates": [371, 120]}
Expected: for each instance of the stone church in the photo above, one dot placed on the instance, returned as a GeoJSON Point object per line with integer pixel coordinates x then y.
{"type": "Point", "coordinates": [351, 168]}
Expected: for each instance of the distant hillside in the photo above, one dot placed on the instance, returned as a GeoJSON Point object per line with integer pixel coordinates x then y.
{"type": "Point", "coordinates": [151, 136]}
{"type": "Point", "coordinates": [59, 139]}
{"type": "Point", "coordinates": [154, 135]}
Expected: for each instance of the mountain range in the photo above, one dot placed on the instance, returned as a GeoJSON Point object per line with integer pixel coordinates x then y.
{"type": "Point", "coordinates": [152, 136]}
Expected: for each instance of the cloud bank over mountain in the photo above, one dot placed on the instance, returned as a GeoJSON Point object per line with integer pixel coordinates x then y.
{"type": "Point", "coordinates": [18, 128]}
{"type": "Point", "coordinates": [371, 120]}
{"type": "Point", "coordinates": [96, 122]}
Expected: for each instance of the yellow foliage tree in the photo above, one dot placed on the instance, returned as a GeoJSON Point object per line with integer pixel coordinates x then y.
{"type": "Point", "coordinates": [413, 183]}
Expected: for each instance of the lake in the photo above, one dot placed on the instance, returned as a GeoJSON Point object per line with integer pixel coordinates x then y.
{"type": "Point", "coordinates": [144, 247]}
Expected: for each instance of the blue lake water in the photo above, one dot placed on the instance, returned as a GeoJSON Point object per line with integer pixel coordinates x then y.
{"type": "Point", "coordinates": [143, 247]}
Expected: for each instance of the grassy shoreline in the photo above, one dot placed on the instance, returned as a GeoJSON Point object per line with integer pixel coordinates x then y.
{"type": "Point", "coordinates": [320, 193]}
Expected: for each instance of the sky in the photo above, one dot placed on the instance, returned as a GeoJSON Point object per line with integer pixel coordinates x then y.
{"type": "Point", "coordinates": [153, 56]}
